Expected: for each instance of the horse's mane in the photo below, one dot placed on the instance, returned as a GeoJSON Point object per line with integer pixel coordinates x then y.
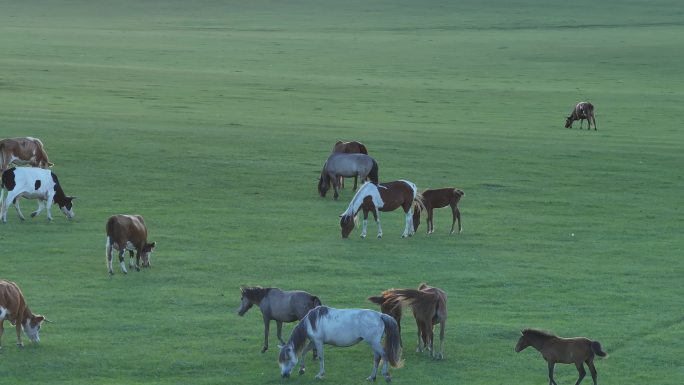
{"type": "Point", "coordinates": [537, 333]}
{"type": "Point", "coordinates": [255, 293]}
{"type": "Point", "coordinates": [300, 335]}
{"type": "Point", "coordinates": [367, 189]}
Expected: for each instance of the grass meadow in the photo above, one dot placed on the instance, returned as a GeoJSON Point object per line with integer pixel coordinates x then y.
{"type": "Point", "coordinates": [213, 118]}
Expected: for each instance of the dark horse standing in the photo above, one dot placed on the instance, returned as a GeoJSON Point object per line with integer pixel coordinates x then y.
{"type": "Point", "coordinates": [281, 306]}
{"type": "Point", "coordinates": [438, 198]}
{"type": "Point", "coordinates": [340, 164]}
{"type": "Point", "coordinates": [349, 148]}
{"type": "Point", "coordinates": [555, 349]}
{"type": "Point", "coordinates": [583, 110]}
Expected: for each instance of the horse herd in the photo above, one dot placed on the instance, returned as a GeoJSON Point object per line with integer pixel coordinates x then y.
{"type": "Point", "coordinates": [317, 324]}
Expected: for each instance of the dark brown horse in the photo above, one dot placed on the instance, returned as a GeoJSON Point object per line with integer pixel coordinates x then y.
{"type": "Point", "coordinates": [438, 198]}
{"type": "Point", "coordinates": [429, 306]}
{"type": "Point", "coordinates": [383, 197]}
{"type": "Point", "coordinates": [555, 349]}
{"type": "Point", "coordinates": [275, 304]}
{"type": "Point", "coordinates": [349, 148]}
{"type": "Point", "coordinates": [583, 110]}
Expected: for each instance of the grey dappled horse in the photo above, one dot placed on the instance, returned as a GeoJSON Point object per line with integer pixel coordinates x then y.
{"type": "Point", "coordinates": [275, 304]}
{"type": "Point", "coordinates": [346, 165]}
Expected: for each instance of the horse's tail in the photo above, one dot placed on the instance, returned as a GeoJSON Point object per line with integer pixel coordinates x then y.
{"type": "Point", "coordinates": [392, 341]}
{"type": "Point", "coordinates": [373, 174]}
{"type": "Point", "coordinates": [315, 301]}
{"type": "Point", "coordinates": [596, 347]}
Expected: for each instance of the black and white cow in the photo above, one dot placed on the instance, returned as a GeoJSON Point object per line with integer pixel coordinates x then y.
{"type": "Point", "coordinates": [33, 183]}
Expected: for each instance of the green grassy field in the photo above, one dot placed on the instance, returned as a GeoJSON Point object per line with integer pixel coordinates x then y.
{"type": "Point", "coordinates": [213, 118]}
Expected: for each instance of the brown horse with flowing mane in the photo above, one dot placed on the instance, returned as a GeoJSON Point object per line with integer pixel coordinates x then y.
{"type": "Point", "coordinates": [353, 147]}
{"type": "Point", "coordinates": [554, 349]}
{"type": "Point", "coordinates": [429, 306]}
{"type": "Point", "coordinates": [438, 198]}
{"type": "Point", "coordinates": [383, 197]}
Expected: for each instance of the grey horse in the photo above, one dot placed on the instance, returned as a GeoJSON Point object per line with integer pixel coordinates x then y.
{"type": "Point", "coordinates": [275, 304]}
{"type": "Point", "coordinates": [346, 165]}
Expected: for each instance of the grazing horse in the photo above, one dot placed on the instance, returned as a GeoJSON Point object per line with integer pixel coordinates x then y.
{"type": "Point", "coordinates": [349, 148]}
{"type": "Point", "coordinates": [555, 349]}
{"type": "Point", "coordinates": [583, 110]}
{"type": "Point", "coordinates": [384, 197]}
{"type": "Point", "coordinates": [342, 327]}
{"type": "Point", "coordinates": [429, 306]}
{"type": "Point", "coordinates": [340, 164]}
{"type": "Point", "coordinates": [275, 304]}
{"type": "Point", "coordinates": [438, 198]}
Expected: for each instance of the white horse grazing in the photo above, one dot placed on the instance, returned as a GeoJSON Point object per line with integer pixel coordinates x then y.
{"type": "Point", "coordinates": [342, 327]}
{"type": "Point", "coordinates": [387, 196]}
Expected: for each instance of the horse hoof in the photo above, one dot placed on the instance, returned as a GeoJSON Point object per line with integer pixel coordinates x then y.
{"type": "Point", "coordinates": [371, 379]}
{"type": "Point", "coordinates": [137, 268]}
{"type": "Point", "coordinates": [301, 371]}
{"type": "Point", "coordinates": [388, 378]}
{"type": "Point", "coordinates": [33, 214]}
{"type": "Point", "coordinates": [20, 344]}
{"type": "Point", "coordinates": [264, 349]}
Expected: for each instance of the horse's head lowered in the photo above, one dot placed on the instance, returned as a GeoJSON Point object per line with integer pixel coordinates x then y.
{"type": "Point", "coordinates": [346, 225]}
{"type": "Point", "coordinates": [568, 121]}
{"type": "Point", "coordinates": [287, 359]}
{"type": "Point", "coordinates": [324, 184]}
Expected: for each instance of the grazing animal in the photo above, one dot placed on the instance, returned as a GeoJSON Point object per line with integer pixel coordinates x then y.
{"type": "Point", "coordinates": [34, 183]}
{"type": "Point", "coordinates": [583, 110]}
{"type": "Point", "coordinates": [275, 304]}
{"type": "Point", "coordinates": [128, 232]}
{"type": "Point", "coordinates": [342, 327]}
{"type": "Point", "coordinates": [339, 164]}
{"type": "Point", "coordinates": [429, 306]}
{"type": "Point", "coordinates": [23, 151]}
{"type": "Point", "coordinates": [349, 148]}
{"type": "Point", "coordinates": [438, 198]}
{"type": "Point", "coordinates": [554, 349]}
{"type": "Point", "coordinates": [384, 197]}
{"type": "Point", "coordinates": [13, 308]}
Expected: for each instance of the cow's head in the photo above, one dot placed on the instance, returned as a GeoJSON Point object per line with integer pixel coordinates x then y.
{"type": "Point", "coordinates": [67, 207]}
{"type": "Point", "coordinates": [146, 251]}
{"type": "Point", "coordinates": [32, 327]}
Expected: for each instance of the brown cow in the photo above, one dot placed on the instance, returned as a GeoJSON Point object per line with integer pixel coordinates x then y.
{"type": "Point", "coordinates": [23, 151]}
{"type": "Point", "coordinates": [14, 309]}
{"type": "Point", "coordinates": [583, 110]}
{"type": "Point", "coordinates": [128, 232]}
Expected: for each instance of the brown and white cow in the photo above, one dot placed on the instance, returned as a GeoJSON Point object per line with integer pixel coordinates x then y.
{"type": "Point", "coordinates": [128, 232]}
{"type": "Point", "coordinates": [14, 309]}
{"type": "Point", "coordinates": [23, 151]}
{"type": "Point", "coordinates": [583, 110]}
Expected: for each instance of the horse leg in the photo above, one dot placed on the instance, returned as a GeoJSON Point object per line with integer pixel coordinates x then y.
{"type": "Point", "coordinates": [356, 177]}
{"type": "Point", "coordinates": [442, 326]}
{"type": "Point", "coordinates": [364, 224]}
{"type": "Point", "coordinates": [302, 365]}
{"type": "Point", "coordinates": [594, 119]}
{"type": "Point", "coordinates": [279, 330]}
{"type": "Point", "coordinates": [377, 220]}
{"type": "Point", "coordinates": [592, 369]}
{"type": "Point", "coordinates": [267, 324]}
{"type": "Point", "coordinates": [430, 225]}
{"type": "Point", "coordinates": [319, 349]}
{"type": "Point", "coordinates": [456, 215]}
{"type": "Point", "coordinates": [336, 186]}
{"type": "Point", "coordinates": [551, 380]}
{"type": "Point", "coordinates": [582, 372]}
{"type": "Point", "coordinates": [376, 363]}
{"type": "Point", "coordinates": [408, 224]}
{"type": "Point", "coordinates": [419, 328]}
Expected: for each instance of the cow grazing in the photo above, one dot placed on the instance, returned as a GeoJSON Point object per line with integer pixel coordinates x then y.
{"type": "Point", "coordinates": [14, 309]}
{"type": "Point", "coordinates": [34, 183]}
{"type": "Point", "coordinates": [583, 110]}
{"type": "Point", "coordinates": [23, 151]}
{"type": "Point", "coordinates": [128, 232]}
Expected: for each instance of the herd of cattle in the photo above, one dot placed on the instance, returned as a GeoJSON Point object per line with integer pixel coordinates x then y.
{"type": "Point", "coordinates": [428, 304]}
{"type": "Point", "coordinates": [124, 232]}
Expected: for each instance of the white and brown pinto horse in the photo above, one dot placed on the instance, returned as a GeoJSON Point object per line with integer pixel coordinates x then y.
{"type": "Point", "coordinates": [342, 327]}
{"type": "Point", "coordinates": [383, 197]}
